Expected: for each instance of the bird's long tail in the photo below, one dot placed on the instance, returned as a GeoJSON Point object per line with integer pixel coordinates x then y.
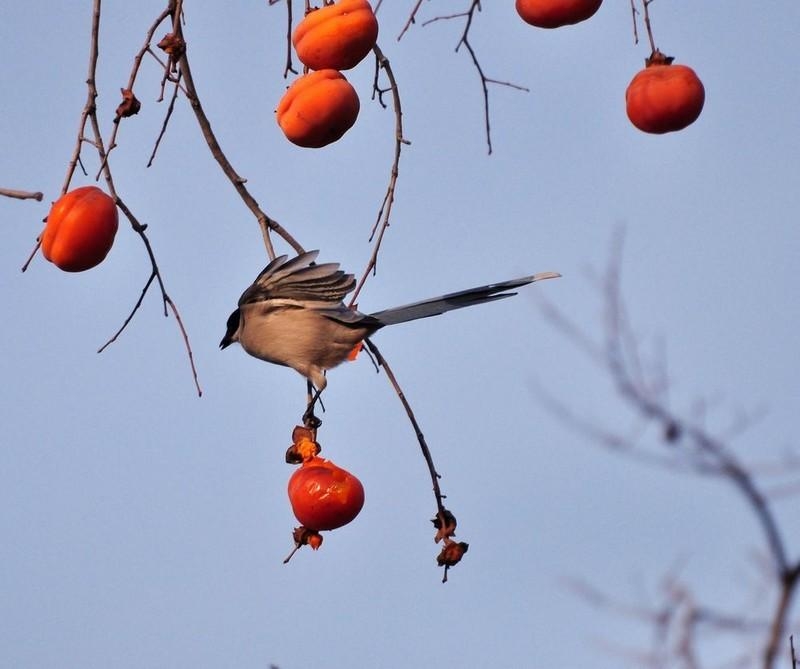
{"type": "Point", "coordinates": [463, 298]}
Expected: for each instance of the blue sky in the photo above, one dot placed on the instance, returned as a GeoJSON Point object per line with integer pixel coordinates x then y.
{"type": "Point", "coordinates": [146, 527]}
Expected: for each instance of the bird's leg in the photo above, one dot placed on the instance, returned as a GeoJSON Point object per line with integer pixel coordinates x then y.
{"type": "Point", "coordinates": [309, 419]}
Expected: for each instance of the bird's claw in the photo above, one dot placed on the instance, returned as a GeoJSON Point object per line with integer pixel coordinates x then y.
{"type": "Point", "coordinates": [310, 420]}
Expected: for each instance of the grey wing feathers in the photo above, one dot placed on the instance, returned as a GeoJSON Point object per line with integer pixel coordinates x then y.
{"type": "Point", "coordinates": [458, 300]}
{"type": "Point", "coordinates": [299, 279]}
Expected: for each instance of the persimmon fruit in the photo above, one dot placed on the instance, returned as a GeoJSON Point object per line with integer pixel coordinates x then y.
{"type": "Point", "coordinates": [318, 108]}
{"type": "Point", "coordinates": [80, 229]}
{"type": "Point", "coordinates": [556, 13]}
{"type": "Point", "coordinates": [664, 97]}
{"type": "Point", "coordinates": [337, 36]}
{"type": "Point", "coordinates": [323, 495]}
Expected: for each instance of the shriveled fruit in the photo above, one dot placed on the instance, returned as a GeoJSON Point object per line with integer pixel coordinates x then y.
{"type": "Point", "coordinates": [556, 13]}
{"type": "Point", "coordinates": [336, 36]}
{"type": "Point", "coordinates": [318, 108]}
{"type": "Point", "coordinates": [664, 97]}
{"type": "Point", "coordinates": [80, 229]}
{"type": "Point", "coordinates": [323, 495]}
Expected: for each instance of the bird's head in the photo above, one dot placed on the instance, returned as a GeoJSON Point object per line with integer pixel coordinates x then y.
{"type": "Point", "coordinates": [231, 334]}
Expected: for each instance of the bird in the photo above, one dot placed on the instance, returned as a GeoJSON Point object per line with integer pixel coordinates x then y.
{"type": "Point", "coordinates": [294, 314]}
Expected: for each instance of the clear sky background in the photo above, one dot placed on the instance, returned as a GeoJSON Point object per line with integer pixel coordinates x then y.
{"type": "Point", "coordinates": [142, 526]}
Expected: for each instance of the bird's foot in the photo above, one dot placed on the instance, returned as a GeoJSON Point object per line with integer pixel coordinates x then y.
{"type": "Point", "coordinates": [310, 420]}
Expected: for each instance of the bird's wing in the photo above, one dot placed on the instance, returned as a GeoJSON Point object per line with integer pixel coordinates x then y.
{"type": "Point", "coordinates": [299, 279]}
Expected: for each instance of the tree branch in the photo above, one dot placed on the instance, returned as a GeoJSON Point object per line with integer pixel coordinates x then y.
{"type": "Point", "coordinates": [21, 194]}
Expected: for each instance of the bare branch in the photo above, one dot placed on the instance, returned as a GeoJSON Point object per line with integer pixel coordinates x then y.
{"type": "Point", "coordinates": [411, 19]}
{"type": "Point", "coordinates": [445, 521]}
{"type": "Point", "coordinates": [289, 66]}
{"type": "Point", "coordinates": [468, 15]}
{"type": "Point", "coordinates": [266, 223]}
{"type": "Point", "coordinates": [21, 194]}
{"type": "Point", "coordinates": [385, 210]}
{"type": "Point", "coordinates": [137, 61]}
{"type": "Point", "coordinates": [689, 445]}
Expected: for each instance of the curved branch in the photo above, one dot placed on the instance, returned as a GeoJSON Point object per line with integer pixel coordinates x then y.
{"type": "Point", "coordinates": [266, 223]}
{"type": "Point", "coordinates": [385, 210]}
{"type": "Point", "coordinates": [444, 522]}
{"type": "Point", "coordinates": [710, 451]}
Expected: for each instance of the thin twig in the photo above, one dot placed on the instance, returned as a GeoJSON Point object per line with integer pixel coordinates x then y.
{"type": "Point", "coordinates": [426, 453]}
{"type": "Point", "coordinates": [167, 117]}
{"type": "Point", "coordinates": [132, 313]}
{"type": "Point", "coordinates": [385, 210]}
{"type": "Point", "coordinates": [21, 194]}
{"type": "Point", "coordinates": [411, 20]}
{"type": "Point", "coordinates": [89, 115]}
{"type": "Point", "coordinates": [137, 62]}
{"type": "Point", "coordinates": [165, 298]}
{"type": "Point", "coordinates": [687, 440]}
{"type": "Point", "coordinates": [289, 66]}
{"type": "Point", "coordinates": [469, 15]}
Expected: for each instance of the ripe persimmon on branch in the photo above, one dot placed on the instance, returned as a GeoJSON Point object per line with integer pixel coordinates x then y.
{"type": "Point", "coordinates": [89, 133]}
{"type": "Point", "coordinates": [176, 82]}
{"type": "Point", "coordinates": [444, 521]}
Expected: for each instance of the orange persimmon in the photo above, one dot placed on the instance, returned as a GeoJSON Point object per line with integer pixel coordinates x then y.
{"type": "Point", "coordinates": [318, 108]}
{"type": "Point", "coordinates": [556, 13]}
{"type": "Point", "coordinates": [80, 229]}
{"type": "Point", "coordinates": [664, 97]}
{"type": "Point", "coordinates": [336, 36]}
{"type": "Point", "coordinates": [323, 495]}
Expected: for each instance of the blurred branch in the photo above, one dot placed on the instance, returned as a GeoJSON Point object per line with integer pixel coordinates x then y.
{"type": "Point", "coordinates": [688, 446]}
{"type": "Point", "coordinates": [677, 622]}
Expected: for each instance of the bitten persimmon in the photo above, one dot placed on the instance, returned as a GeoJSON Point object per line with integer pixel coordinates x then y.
{"type": "Point", "coordinates": [80, 229]}
{"type": "Point", "coordinates": [556, 13]}
{"type": "Point", "coordinates": [337, 36]}
{"type": "Point", "coordinates": [664, 97]}
{"type": "Point", "coordinates": [323, 495]}
{"type": "Point", "coordinates": [318, 108]}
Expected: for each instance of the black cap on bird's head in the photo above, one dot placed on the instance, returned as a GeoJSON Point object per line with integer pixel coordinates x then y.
{"type": "Point", "coordinates": [232, 328]}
